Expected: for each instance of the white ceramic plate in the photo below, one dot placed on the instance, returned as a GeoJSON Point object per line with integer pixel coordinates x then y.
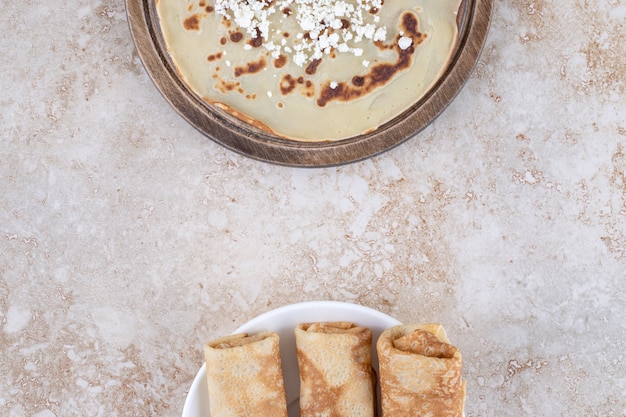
{"type": "Point", "coordinates": [283, 320]}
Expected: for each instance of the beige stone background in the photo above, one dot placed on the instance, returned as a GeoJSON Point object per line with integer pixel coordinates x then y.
{"type": "Point", "coordinates": [127, 238]}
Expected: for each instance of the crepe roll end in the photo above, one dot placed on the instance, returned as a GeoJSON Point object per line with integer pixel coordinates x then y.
{"type": "Point", "coordinates": [420, 370]}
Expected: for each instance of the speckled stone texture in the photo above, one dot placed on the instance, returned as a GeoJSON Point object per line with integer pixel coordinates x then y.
{"type": "Point", "coordinates": [127, 238]}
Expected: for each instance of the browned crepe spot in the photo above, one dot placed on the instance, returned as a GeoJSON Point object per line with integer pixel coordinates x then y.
{"type": "Point", "coordinates": [192, 22]}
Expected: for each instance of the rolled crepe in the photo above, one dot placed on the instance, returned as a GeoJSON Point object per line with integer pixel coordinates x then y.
{"type": "Point", "coordinates": [420, 372]}
{"type": "Point", "coordinates": [244, 376]}
{"type": "Point", "coordinates": [335, 362]}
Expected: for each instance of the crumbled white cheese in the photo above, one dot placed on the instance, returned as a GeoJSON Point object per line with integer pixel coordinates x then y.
{"type": "Point", "coordinates": [333, 84]}
{"type": "Point", "coordinates": [320, 20]}
{"type": "Point", "coordinates": [404, 42]}
{"type": "Point", "coordinates": [380, 34]}
{"type": "Point", "coordinates": [300, 58]}
{"type": "Point", "coordinates": [365, 63]}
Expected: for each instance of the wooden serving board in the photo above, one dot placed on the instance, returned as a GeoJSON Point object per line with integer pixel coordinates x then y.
{"type": "Point", "coordinates": [238, 136]}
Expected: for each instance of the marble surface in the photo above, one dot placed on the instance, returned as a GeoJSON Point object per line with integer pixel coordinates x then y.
{"type": "Point", "coordinates": [127, 238]}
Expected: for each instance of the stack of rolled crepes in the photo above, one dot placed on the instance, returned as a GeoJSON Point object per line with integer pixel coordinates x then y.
{"type": "Point", "coordinates": [420, 372]}
{"type": "Point", "coordinates": [245, 377]}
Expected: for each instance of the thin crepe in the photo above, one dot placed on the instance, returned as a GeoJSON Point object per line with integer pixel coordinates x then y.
{"type": "Point", "coordinates": [244, 376]}
{"type": "Point", "coordinates": [420, 372]}
{"type": "Point", "coordinates": [335, 362]}
{"type": "Point", "coordinates": [209, 53]}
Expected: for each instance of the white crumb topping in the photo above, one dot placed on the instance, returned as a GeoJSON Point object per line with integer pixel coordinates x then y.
{"type": "Point", "coordinates": [333, 84]}
{"type": "Point", "coordinates": [380, 34]}
{"type": "Point", "coordinates": [404, 42]}
{"type": "Point", "coordinates": [300, 58]}
{"type": "Point", "coordinates": [320, 20]}
{"type": "Point", "coordinates": [365, 63]}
